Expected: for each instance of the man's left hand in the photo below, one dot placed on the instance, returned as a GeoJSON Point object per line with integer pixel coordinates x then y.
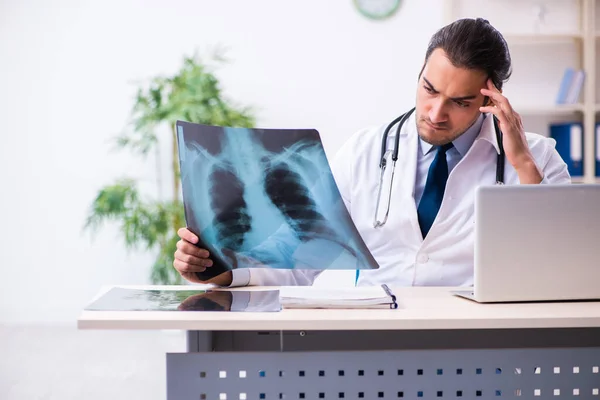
{"type": "Point", "coordinates": [513, 135]}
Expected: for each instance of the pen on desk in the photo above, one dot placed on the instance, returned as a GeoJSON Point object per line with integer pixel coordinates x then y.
{"type": "Point", "coordinates": [388, 291]}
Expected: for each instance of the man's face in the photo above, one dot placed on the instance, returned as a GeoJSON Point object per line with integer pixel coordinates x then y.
{"type": "Point", "coordinates": [448, 99]}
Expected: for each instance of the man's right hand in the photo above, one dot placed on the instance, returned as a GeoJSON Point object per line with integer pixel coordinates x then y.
{"type": "Point", "coordinates": [190, 259]}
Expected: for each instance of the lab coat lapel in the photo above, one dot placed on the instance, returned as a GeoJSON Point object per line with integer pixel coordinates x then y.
{"type": "Point", "coordinates": [409, 146]}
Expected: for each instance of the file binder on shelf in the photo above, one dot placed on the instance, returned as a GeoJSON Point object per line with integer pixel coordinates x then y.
{"type": "Point", "coordinates": [598, 149]}
{"type": "Point", "coordinates": [569, 144]}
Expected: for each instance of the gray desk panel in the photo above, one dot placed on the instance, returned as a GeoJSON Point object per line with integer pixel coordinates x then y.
{"type": "Point", "coordinates": [386, 374]}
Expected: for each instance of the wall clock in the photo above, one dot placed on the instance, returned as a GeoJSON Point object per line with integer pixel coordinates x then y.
{"type": "Point", "coordinates": [377, 9]}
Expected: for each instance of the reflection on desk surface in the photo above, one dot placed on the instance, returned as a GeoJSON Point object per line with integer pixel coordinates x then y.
{"type": "Point", "coordinates": [124, 299]}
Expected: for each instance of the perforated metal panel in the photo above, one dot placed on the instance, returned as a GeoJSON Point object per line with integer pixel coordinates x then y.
{"type": "Point", "coordinates": [395, 374]}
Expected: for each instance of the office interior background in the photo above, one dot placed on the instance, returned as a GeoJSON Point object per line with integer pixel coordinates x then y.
{"type": "Point", "coordinates": [69, 71]}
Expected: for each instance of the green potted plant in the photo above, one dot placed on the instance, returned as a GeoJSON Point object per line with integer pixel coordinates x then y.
{"type": "Point", "coordinates": [193, 94]}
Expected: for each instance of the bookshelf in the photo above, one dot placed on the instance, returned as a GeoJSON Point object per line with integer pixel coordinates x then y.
{"type": "Point", "coordinates": [562, 109]}
{"type": "Point", "coordinates": [545, 37]}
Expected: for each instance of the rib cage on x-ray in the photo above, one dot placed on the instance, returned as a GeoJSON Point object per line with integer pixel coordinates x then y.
{"type": "Point", "coordinates": [286, 190]}
{"type": "Point", "coordinates": [265, 198]}
{"type": "Point", "coordinates": [289, 193]}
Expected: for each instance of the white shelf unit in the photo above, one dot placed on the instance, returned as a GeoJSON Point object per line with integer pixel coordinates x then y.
{"type": "Point", "coordinates": [543, 38]}
{"type": "Point", "coordinates": [563, 109]}
{"type": "Point", "coordinates": [573, 26]}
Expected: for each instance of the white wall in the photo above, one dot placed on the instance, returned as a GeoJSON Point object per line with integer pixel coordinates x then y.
{"type": "Point", "coordinates": [66, 69]}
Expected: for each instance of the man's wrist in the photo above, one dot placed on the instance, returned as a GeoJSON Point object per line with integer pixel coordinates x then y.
{"type": "Point", "coordinates": [528, 172]}
{"type": "Point", "coordinates": [223, 279]}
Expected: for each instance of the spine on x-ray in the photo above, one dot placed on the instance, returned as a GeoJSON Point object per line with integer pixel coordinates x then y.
{"type": "Point", "coordinates": [232, 220]}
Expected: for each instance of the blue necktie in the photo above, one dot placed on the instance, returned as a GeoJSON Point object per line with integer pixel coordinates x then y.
{"type": "Point", "coordinates": [434, 190]}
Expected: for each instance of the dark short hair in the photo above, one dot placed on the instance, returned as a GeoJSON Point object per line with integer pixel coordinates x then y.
{"type": "Point", "coordinates": [474, 44]}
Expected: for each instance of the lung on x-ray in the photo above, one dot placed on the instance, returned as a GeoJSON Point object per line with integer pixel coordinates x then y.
{"type": "Point", "coordinates": [265, 198]}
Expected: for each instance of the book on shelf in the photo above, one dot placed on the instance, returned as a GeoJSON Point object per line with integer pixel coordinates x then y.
{"type": "Point", "coordinates": [570, 86]}
{"type": "Point", "coordinates": [379, 296]}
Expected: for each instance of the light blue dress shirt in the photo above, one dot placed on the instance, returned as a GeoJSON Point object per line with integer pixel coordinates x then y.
{"type": "Point", "coordinates": [427, 152]}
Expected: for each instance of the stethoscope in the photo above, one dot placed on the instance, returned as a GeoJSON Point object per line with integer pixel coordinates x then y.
{"type": "Point", "coordinates": [383, 161]}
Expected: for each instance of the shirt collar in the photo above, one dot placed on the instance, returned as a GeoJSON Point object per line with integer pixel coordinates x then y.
{"type": "Point", "coordinates": [488, 133]}
{"type": "Point", "coordinates": [463, 143]}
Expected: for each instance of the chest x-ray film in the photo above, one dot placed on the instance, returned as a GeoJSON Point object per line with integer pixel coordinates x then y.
{"type": "Point", "coordinates": [265, 198]}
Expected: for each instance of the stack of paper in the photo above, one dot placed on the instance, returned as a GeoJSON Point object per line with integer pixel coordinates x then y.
{"type": "Point", "coordinates": [354, 297]}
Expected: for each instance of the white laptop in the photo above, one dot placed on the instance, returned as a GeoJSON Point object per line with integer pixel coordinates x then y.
{"type": "Point", "coordinates": [536, 243]}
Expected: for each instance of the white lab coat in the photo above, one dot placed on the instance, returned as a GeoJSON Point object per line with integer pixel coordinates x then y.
{"type": "Point", "coordinates": [446, 256]}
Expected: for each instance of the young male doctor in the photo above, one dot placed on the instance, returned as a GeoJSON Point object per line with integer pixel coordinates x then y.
{"type": "Point", "coordinates": [447, 148]}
